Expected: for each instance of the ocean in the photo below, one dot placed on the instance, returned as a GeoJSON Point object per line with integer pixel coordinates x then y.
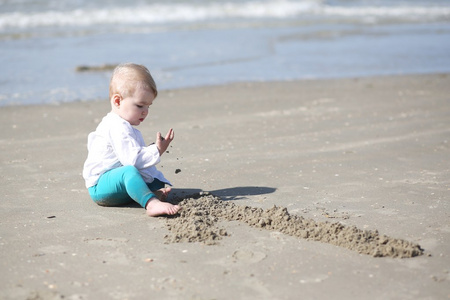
{"type": "Point", "coordinates": [55, 51]}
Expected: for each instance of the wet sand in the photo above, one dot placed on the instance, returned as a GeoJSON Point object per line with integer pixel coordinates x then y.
{"type": "Point", "coordinates": [368, 155]}
{"type": "Point", "coordinates": [197, 223]}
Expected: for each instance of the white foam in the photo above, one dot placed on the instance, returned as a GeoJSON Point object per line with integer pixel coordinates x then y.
{"type": "Point", "coordinates": [405, 12]}
{"type": "Point", "coordinates": [183, 12]}
{"type": "Point", "coordinates": [156, 14]}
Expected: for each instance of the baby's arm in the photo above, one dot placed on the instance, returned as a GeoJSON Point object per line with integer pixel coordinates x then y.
{"type": "Point", "coordinates": [163, 143]}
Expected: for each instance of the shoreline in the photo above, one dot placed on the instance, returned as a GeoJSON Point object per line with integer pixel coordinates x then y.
{"type": "Point", "coordinates": [87, 69]}
{"type": "Point", "coordinates": [370, 152]}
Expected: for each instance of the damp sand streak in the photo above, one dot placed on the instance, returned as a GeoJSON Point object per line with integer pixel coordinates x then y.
{"type": "Point", "coordinates": [197, 222]}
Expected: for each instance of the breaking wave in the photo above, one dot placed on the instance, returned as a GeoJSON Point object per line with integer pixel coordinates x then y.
{"type": "Point", "coordinates": [163, 13]}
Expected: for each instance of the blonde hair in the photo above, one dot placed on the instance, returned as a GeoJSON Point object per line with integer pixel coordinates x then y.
{"type": "Point", "coordinates": [128, 77]}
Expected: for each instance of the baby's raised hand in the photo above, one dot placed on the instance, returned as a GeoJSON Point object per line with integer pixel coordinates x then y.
{"type": "Point", "coordinates": [163, 142]}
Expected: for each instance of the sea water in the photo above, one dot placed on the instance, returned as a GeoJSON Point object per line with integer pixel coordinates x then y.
{"type": "Point", "coordinates": [187, 43]}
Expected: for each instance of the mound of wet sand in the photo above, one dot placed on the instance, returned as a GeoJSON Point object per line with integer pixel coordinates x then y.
{"type": "Point", "coordinates": [198, 222]}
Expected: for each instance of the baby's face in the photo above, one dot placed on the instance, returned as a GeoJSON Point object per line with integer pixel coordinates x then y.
{"type": "Point", "coordinates": [134, 109]}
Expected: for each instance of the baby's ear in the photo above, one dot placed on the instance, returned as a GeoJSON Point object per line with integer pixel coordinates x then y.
{"type": "Point", "coordinates": [115, 100]}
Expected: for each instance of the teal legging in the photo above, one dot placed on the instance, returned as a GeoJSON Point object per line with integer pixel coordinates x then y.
{"type": "Point", "coordinates": [123, 185]}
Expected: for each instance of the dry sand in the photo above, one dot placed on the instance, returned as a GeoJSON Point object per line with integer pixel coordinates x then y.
{"type": "Point", "coordinates": [361, 158]}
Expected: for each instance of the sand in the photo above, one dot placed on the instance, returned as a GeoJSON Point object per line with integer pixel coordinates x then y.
{"type": "Point", "coordinates": [304, 189]}
{"type": "Point", "coordinates": [197, 223]}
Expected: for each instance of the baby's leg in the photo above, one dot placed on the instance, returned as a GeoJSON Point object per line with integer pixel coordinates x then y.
{"type": "Point", "coordinates": [120, 186]}
{"type": "Point", "coordinates": [155, 207]}
{"type": "Point", "coordinates": [159, 189]}
{"type": "Point", "coordinates": [162, 193]}
{"type": "Point", "coordinates": [125, 182]}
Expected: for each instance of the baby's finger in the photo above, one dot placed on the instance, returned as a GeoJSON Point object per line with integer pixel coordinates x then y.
{"type": "Point", "coordinates": [170, 134]}
{"type": "Point", "coordinates": [159, 137]}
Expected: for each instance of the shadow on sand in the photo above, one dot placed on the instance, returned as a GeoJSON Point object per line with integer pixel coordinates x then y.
{"type": "Point", "coordinates": [233, 193]}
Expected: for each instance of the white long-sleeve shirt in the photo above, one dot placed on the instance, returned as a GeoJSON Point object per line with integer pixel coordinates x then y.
{"type": "Point", "coordinates": [116, 143]}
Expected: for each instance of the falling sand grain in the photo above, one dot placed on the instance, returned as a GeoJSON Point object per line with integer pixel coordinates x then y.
{"type": "Point", "coordinates": [200, 214]}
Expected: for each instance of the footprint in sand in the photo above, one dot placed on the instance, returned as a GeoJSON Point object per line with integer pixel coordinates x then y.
{"type": "Point", "coordinates": [107, 242]}
{"type": "Point", "coordinates": [247, 256]}
{"type": "Point", "coordinates": [53, 249]}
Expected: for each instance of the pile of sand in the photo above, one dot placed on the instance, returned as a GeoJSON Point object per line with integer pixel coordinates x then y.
{"type": "Point", "coordinates": [197, 222]}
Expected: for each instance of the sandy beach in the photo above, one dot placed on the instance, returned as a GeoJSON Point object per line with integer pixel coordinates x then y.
{"type": "Point", "coordinates": [367, 153]}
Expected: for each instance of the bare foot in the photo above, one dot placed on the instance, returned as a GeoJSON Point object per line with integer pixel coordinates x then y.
{"type": "Point", "coordinates": [163, 193]}
{"type": "Point", "coordinates": [155, 208]}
